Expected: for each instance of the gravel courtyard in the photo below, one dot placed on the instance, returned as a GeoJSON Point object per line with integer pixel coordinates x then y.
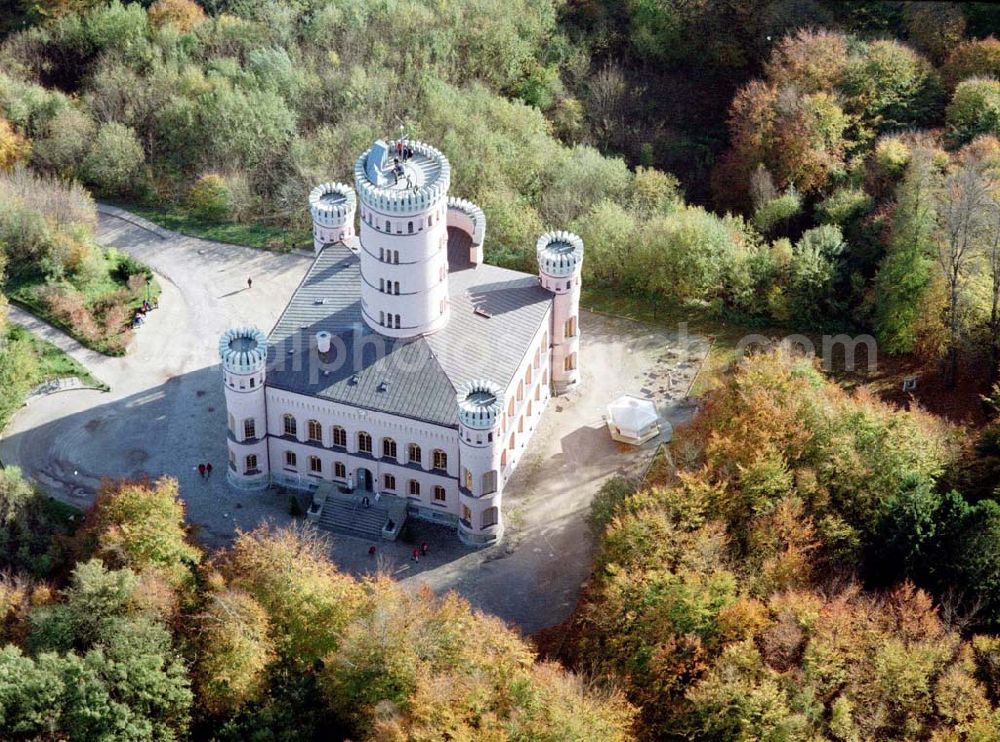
{"type": "Point", "coordinates": [165, 413]}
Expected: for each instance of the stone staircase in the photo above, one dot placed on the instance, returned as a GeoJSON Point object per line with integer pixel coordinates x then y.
{"type": "Point", "coordinates": [344, 515]}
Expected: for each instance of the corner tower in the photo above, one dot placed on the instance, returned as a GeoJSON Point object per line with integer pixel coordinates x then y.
{"type": "Point", "coordinates": [332, 206]}
{"type": "Point", "coordinates": [480, 409]}
{"type": "Point", "coordinates": [244, 360]}
{"type": "Point", "coordinates": [560, 264]}
{"type": "Point", "coordinates": [403, 188]}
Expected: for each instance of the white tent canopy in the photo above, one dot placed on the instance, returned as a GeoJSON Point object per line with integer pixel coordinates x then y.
{"type": "Point", "coordinates": [633, 419]}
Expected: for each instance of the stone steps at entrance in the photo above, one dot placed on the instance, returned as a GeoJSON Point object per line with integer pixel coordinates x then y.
{"type": "Point", "coordinates": [345, 516]}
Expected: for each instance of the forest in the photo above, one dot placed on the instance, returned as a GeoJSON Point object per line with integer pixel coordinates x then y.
{"type": "Point", "coordinates": [814, 556]}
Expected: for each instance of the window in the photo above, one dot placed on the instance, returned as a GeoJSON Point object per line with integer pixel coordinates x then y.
{"type": "Point", "coordinates": [315, 465]}
{"type": "Point", "coordinates": [289, 425]}
{"type": "Point", "coordinates": [381, 253]}
{"type": "Point", "coordinates": [249, 428]}
{"type": "Point", "coordinates": [489, 517]}
{"type": "Point", "coordinates": [440, 460]}
{"type": "Point", "coordinates": [232, 461]}
{"type": "Point", "coordinates": [397, 321]}
{"type": "Point", "coordinates": [413, 453]}
{"type": "Point", "coordinates": [439, 493]}
{"type": "Point", "coordinates": [339, 437]}
{"type": "Point", "coordinates": [388, 226]}
{"type": "Point", "coordinates": [570, 363]}
{"type": "Point", "coordinates": [339, 470]}
{"type": "Point", "coordinates": [315, 431]}
{"type": "Point", "coordinates": [409, 227]}
{"type": "Point", "coordinates": [520, 391]}
{"type": "Point", "coordinates": [395, 290]}
{"type": "Point", "coordinates": [467, 479]}
{"type": "Point", "coordinates": [290, 459]}
{"type": "Point", "coordinates": [527, 376]}
{"type": "Point", "coordinates": [570, 329]}
{"type": "Point", "coordinates": [381, 318]}
{"type": "Point", "coordinates": [251, 464]}
{"type": "Point", "coordinates": [251, 382]}
{"type": "Point", "coordinates": [364, 443]}
{"type": "Point", "coordinates": [389, 482]}
{"type": "Point", "coordinates": [510, 408]}
{"type": "Point", "coordinates": [510, 445]}
{"type": "Point", "coordinates": [381, 285]}
{"type": "Point", "coordinates": [489, 482]}
{"type": "Point", "coordinates": [414, 488]}
{"type": "Point", "coordinates": [388, 448]}
{"type": "Point", "coordinates": [466, 515]}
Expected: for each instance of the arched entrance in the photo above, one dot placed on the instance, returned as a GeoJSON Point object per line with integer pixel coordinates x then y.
{"type": "Point", "coordinates": [365, 479]}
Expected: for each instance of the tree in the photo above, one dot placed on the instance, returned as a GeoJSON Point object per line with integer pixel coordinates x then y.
{"type": "Point", "coordinates": [210, 198]}
{"type": "Point", "coordinates": [185, 15]}
{"type": "Point", "coordinates": [965, 218]}
{"type": "Point", "coordinates": [13, 147]}
{"type": "Point", "coordinates": [135, 525]}
{"type": "Point", "coordinates": [973, 58]}
{"type": "Point", "coordinates": [974, 110]}
{"type": "Point", "coordinates": [905, 271]}
{"type": "Point", "coordinates": [115, 160]}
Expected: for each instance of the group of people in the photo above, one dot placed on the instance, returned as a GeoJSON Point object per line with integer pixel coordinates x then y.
{"type": "Point", "coordinates": [205, 470]}
{"type": "Point", "coordinates": [403, 153]}
{"type": "Point", "coordinates": [415, 557]}
{"type": "Point", "coordinates": [141, 312]}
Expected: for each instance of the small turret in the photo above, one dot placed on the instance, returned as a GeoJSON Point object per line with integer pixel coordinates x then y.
{"type": "Point", "coordinates": [480, 409]}
{"type": "Point", "coordinates": [332, 206]}
{"type": "Point", "coordinates": [243, 352]}
{"type": "Point", "coordinates": [560, 266]}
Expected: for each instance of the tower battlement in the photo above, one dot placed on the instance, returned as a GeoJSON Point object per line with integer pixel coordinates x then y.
{"type": "Point", "coordinates": [332, 204]}
{"type": "Point", "coordinates": [559, 253]}
{"type": "Point", "coordinates": [425, 178]}
{"type": "Point", "coordinates": [480, 404]}
{"type": "Point", "coordinates": [243, 350]}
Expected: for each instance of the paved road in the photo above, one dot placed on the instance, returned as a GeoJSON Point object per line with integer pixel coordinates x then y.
{"type": "Point", "coordinates": [165, 413]}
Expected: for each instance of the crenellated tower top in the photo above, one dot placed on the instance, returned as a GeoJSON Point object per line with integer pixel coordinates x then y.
{"type": "Point", "coordinates": [332, 204]}
{"type": "Point", "coordinates": [480, 404]}
{"type": "Point", "coordinates": [559, 253]}
{"type": "Point", "coordinates": [416, 185]}
{"type": "Point", "coordinates": [243, 350]}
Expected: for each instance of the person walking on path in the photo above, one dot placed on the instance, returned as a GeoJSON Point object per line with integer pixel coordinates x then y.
{"type": "Point", "coordinates": [249, 283]}
{"type": "Point", "coordinates": [416, 554]}
{"type": "Point", "coordinates": [201, 470]}
{"type": "Point", "coordinates": [208, 469]}
{"type": "Point", "coordinates": [424, 548]}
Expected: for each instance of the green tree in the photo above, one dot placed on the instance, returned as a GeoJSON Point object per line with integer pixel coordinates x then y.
{"type": "Point", "coordinates": [905, 272]}
{"type": "Point", "coordinates": [115, 160]}
{"type": "Point", "coordinates": [974, 110]}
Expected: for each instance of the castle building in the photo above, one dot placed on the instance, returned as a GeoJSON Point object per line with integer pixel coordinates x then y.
{"type": "Point", "coordinates": [404, 365]}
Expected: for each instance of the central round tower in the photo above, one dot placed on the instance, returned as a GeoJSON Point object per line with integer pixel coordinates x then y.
{"type": "Point", "coordinates": [243, 352]}
{"type": "Point", "coordinates": [403, 189]}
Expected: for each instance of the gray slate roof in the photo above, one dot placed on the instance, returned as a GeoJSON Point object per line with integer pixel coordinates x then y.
{"type": "Point", "coordinates": [416, 377]}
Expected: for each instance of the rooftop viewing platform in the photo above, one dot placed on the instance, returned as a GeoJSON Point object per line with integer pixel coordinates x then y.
{"type": "Point", "coordinates": [402, 176]}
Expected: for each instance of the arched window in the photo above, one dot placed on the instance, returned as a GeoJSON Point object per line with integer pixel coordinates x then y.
{"type": "Point", "coordinates": [510, 408]}
{"type": "Point", "coordinates": [388, 226]}
{"type": "Point", "coordinates": [315, 465]}
{"type": "Point", "coordinates": [414, 490]}
{"type": "Point", "coordinates": [520, 391]}
{"type": "Point", "coordinates": [381, 318]}
{"type": "Point", "coordinates": [489, 482]}
{"type": "Point", "coordinates": [289, 423]}
{"type": "Point", "coordinates": [395, 288]}
{"type": "Point", "coordinates": [389, 482]}
{"type": "Point", "coordinates": [315, 431]}
{"type": "Point", "coordinates": [439, 494]}
{"type": "Point", "coordinates": [527, 376]}
{"type": "Point", "coordinates": [510, 444]}
{"type": "Point", "coordinates": [570, 363]}
{"type": "Point", "coordinates": [440, 460]}
{"type": "Point", "coordinates": [397, 321]}
{"type": "Point", "coordinates": [381, 285]}
{"type": "Point", "coordinates": [339, 437]}
{"type": "Point", "coordinates": [388, 448]}
{"type": "Point", "coordinates": [467, 479]}
{"type": "Point", "coordinates": [409, 227]}
{"type": "Point", "coordinates": [395, 257]}
{"type": "Point", "coordinates": [251, 464]}
{"type": "Point", "coordinates": [503, 458]}
{"type": "Point", "coordinates": [364, 442]}
{"type": "Point", "coordinates": [490, 517]}
{"type": "Point", "coordinates": [249, 428]}
{"type": "Point", "coordinates": [570, 328]}
{"type": "Point", "coordinates": [339, 470]}
{"type": "Point", "coordinates": [413, 453]}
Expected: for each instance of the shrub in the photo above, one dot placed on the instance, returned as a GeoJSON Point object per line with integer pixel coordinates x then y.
{"type": "Point", "coordinates": [185, 15]}
{"type": "Point", "coordinates": [210, 198]}
{"type": "Point", "coordinates": [974, 58]}
{"type": "Point", "coordinates": [13, 147]}
{"type": "Point", "coordinates": [892, 155]}
{"type": "Point", "coordinates": [773, 212]}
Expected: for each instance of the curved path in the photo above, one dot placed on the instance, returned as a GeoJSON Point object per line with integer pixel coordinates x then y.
{"type": "Point", "coordinates": [165, 411]}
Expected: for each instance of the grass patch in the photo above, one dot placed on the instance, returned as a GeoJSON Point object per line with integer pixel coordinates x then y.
{"type": "Point", "coordinates": [52, 362]}
{"type": "Point", "coordinates": [264, 237]}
